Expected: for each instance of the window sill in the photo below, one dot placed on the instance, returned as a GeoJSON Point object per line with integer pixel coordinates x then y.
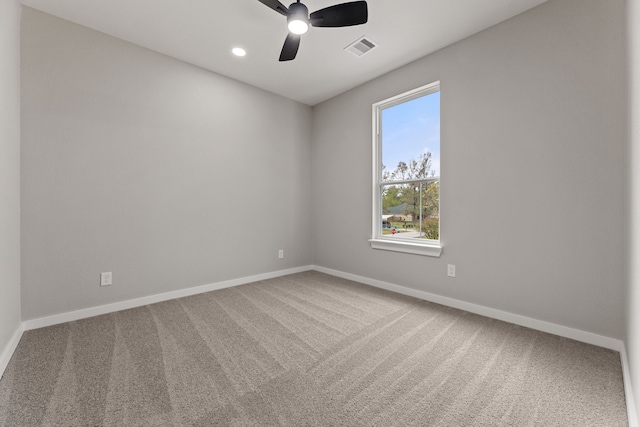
{"type": "Point", "coordinates": [410, 248]}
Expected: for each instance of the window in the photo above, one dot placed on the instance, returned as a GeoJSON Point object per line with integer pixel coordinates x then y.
{"type": "Point", "coordinates": [406, 172]}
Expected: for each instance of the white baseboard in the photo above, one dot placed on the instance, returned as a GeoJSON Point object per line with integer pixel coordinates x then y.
{"type": "Point", "coordinates": [152, 299]}
{"type": "Point", "coordinates": [539, 325]}
{"type": "Point", "coordinates": [528, 322]}
{"type": "Point", "coordinates": [628, 389]}
{"type": "Point", "coordinates": [10, 348]}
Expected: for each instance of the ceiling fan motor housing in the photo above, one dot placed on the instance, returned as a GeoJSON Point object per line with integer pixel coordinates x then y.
{"type": "Point", "coordinates": [298, 12]}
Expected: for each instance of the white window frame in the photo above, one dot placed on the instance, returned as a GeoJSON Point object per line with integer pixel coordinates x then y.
{"type": "Point", "coordinates": [397, 243]}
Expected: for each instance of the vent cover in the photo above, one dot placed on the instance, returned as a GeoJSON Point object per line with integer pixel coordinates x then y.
{"type": "Point", "coordinates": [361, 46]}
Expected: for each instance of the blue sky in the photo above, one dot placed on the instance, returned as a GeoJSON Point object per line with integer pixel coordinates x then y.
{"type": "Point", "coordinates": [410, 129]}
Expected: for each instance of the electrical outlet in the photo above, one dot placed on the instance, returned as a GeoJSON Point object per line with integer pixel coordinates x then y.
{"type": "Point", "coordinates": [451, 270]}
{"type": "Point", "coordinates": [106, 279]}
{"type": "Point", "coordinates": [281, 253]}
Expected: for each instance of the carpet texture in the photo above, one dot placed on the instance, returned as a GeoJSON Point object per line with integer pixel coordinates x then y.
{"type": "Point", "coordinates": [306, 350]}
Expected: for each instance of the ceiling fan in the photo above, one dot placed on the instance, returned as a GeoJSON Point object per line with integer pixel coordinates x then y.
{"type": "Point", "coordinates": [298, 19]}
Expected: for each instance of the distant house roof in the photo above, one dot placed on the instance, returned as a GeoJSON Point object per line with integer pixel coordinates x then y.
{"type": "Point", "coordinates": [398, 210]}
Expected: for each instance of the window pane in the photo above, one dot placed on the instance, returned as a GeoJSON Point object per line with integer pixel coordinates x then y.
{"type": "Point", "coordinates": [406, 179]}
{"type": "Point", "coordinates": [411, 210]}
{"type": "Point", "coordinates": [411, 139]}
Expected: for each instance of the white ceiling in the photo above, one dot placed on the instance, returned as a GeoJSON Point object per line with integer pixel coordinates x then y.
{"type": "Point", "coordinates": [202, 32]}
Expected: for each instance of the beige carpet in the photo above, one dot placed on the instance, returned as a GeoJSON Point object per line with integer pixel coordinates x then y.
{"type": "Point", "coordinates": [306, 350]}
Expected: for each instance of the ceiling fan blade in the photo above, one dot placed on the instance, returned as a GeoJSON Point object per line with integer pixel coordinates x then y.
{"type": "Point", "coordinates": [290, 48]}
{"type": "Point", "coordinates": [276, 5]}
{"type": "Point", "coordinates": [341, 15]}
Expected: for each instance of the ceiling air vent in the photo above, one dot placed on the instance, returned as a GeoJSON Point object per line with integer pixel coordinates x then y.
{"type": "Point", "coordinates": [361, 46]}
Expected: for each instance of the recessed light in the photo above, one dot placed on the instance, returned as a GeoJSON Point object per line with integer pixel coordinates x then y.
{"type": "Point", "coordinates": [238, 51]}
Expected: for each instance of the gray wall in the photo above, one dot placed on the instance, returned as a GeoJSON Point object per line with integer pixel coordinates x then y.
{"type": "Point", "coordinates": [9, 170]}
{"type": "Point", "coordinates": [165, 174]}
{"type": "Point", "coordinates": [632, 339]}
{"type": "Point", "coordinates": [533, 152]}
